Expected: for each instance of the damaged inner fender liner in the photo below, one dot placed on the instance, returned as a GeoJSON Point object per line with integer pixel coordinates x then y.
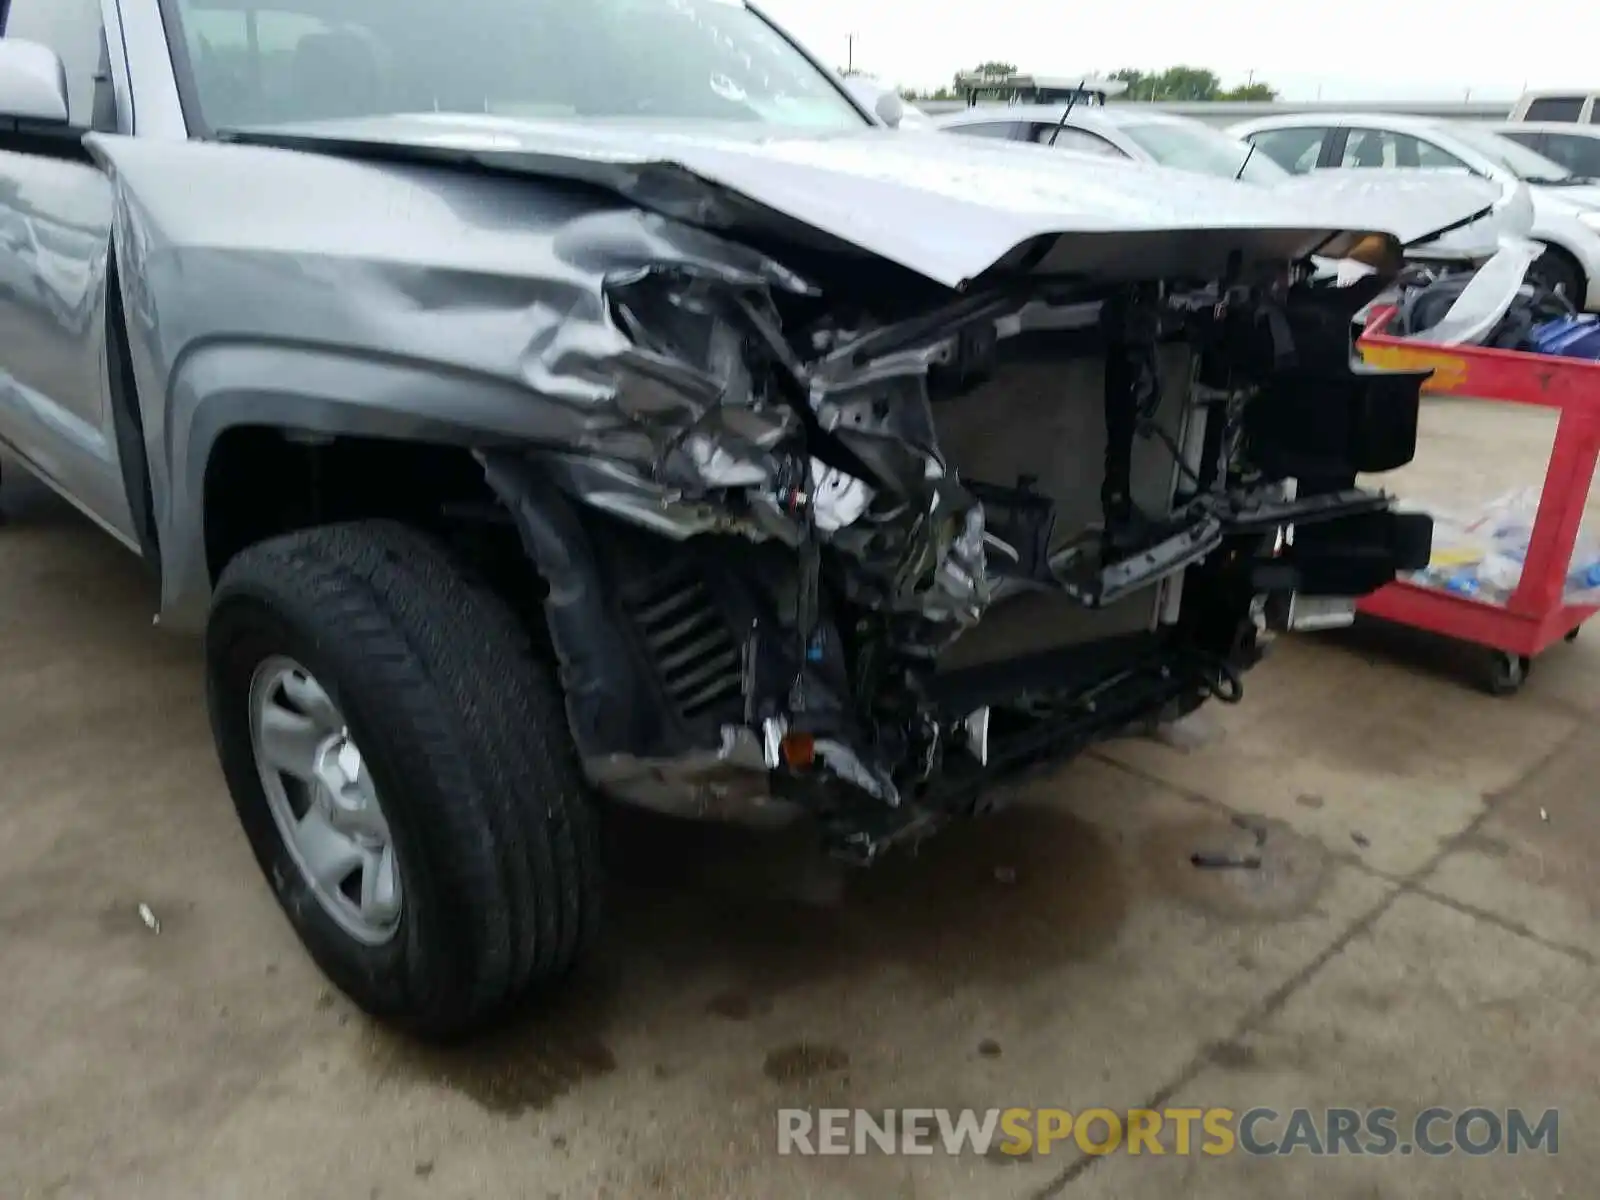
{"type": "Point", "coordinates": [827, 549]}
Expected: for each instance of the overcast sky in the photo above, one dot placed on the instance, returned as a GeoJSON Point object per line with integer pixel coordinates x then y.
{"type": "Point", "coordinates": [1416, 49]}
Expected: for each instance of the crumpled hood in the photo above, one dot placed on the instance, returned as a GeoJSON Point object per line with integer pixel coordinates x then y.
{"type": "Point", "coordinates": [948, 208]}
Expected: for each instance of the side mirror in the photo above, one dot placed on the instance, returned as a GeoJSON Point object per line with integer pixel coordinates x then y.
{"type": "Point", "coordinates": [33, 84]}
{"type": "Point", "coordinates": [890, 108]}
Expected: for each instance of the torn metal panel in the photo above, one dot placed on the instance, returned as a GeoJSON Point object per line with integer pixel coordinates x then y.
{"type": "Point", "coordinates": [646, 354]}
{"type": "Point", "coordinates": [481, 311]}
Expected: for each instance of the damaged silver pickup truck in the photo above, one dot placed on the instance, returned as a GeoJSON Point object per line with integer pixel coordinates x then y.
{"type": "Point", "coordinates": [534, 402]}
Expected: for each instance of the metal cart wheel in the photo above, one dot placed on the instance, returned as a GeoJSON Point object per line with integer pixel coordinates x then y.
{"type": "Point", "coordinates": [1507, 673]}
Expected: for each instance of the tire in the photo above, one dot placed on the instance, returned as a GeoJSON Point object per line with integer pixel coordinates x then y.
{"type": "Point", "coordinates": [464, 737]}
{"type": "Point", "coordinates": [1556, 267]}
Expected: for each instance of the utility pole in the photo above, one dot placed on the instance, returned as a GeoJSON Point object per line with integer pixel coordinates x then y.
{"type": "Point", "coordinates": [849, 53]}
{"type": "Point", "coordinates": [1250, 79]}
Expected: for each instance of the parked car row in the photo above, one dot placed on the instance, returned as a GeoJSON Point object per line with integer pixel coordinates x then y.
{"type": "Point", "coordinates": [1566, 206]}
{"type": "Point", "coordinates": [1531, 194]}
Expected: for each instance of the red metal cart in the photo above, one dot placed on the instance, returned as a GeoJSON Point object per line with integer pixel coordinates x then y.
{"type": "Point", "coordinates": [1535, 615]}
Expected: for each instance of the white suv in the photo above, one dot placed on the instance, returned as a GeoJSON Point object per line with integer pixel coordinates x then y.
{"type": "Point", "coordinates": [1559, 105]}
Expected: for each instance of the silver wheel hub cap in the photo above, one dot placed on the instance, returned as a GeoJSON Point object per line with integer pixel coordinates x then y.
{"type": "Point", "coordinates": [323, 801]}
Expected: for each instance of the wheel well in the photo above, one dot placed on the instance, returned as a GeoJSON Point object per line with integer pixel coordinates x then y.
{"type": "Point", "coordinates": [261, 482]}
{"type": "Point", "coordinates": [1570, 260]}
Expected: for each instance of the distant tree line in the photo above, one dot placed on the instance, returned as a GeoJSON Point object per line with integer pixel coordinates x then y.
{"type": "Point", "coordinates": [1174, 83]}
{"type": "Point", "coordinates": [1188, 83]}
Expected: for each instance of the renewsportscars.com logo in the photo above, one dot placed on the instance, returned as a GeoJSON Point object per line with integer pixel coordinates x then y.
{"type": "Point", "coordinates": [1260, 1132]}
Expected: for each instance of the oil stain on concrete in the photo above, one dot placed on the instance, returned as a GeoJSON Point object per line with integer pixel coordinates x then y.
{"type": "Point", "coordinates": [526, 1065]}
{"type": "Point", "coordinates": [738, 1006]}
{"type": "Point", "coordinates": [993, 901]}
{"type": "Point", "coordinates": [733, 915]}
{"type": "Point", "coordinates": [1246, 869]}
{"type": "Point", "coordinates": [803, 1060]}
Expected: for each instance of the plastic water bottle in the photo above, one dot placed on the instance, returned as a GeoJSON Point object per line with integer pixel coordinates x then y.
{"type": "Point", "coordinates": [1584, 580]}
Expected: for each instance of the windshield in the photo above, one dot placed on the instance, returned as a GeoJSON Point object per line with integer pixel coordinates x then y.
{"type": "Point", "coordinates": [1518, 159]}
{"type": "Point", "coordinates": [677, 60]}
{"type": "Point", "coordinates": [1202, 149]}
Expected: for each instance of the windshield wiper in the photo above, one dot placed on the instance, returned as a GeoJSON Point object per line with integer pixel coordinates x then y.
{"type": "Point", "coordinates": [1553, 180]}
{"type": "Point", "coordinates": [1067, 111]}
{"type": "Point", "coordinates": [1246, 162]}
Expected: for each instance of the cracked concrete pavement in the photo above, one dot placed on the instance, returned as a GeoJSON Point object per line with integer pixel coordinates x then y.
{"type": "Point", "coordinates": [1423, 930]}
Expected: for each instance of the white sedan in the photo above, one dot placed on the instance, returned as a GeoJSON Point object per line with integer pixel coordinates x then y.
{"type": "Point", "coordinates": [1411, 204]}
{"type": "Point", "coordinates": [1566, 208]}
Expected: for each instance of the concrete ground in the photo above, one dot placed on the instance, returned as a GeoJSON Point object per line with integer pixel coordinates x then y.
{"type": "Point", "coordinates": [1423, 929]}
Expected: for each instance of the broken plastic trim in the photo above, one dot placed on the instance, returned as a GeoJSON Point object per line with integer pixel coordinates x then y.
{"type": "Point", "coordinates": [838, 449]}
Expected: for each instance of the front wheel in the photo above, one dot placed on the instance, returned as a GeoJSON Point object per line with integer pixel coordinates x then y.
{"type": "Point", "coordinates": [400, 761]}
{"type": "Point", "coordinates": [1556, 270]}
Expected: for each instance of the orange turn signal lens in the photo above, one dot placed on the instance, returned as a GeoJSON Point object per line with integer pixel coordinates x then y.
{"type": "Point", "coordinates": [1374, 250]}
{"type": "Point", "coordinates": [799, 750]}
